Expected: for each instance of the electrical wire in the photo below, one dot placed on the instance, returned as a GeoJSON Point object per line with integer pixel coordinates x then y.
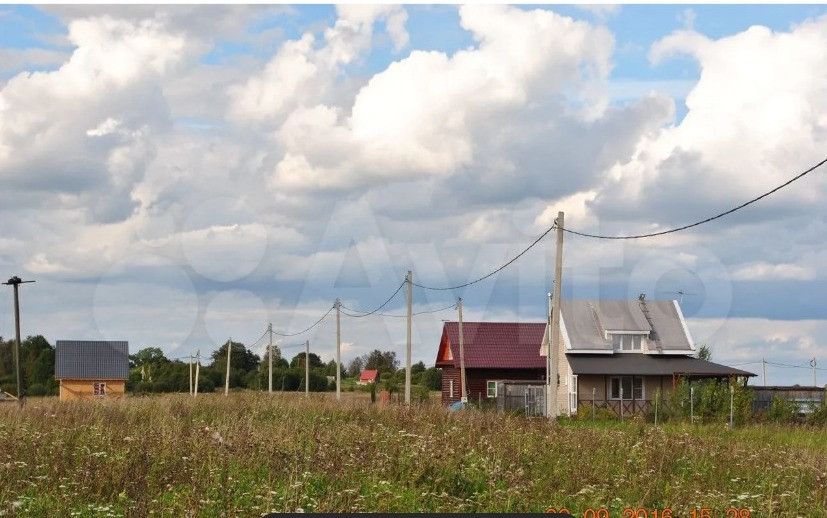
{"type": "Point", "coordinates": [808, 367]}
{"type": "Point", "coordinates": [317, 322]}
{"type": "Point", "coordinates": [707, 220]}
{"type": "Point", "coordinates": [501, 268]}
{"type": "Point", "coordinates": [452, 306]}
{"type": "Point", "coordinates": [376, 310]}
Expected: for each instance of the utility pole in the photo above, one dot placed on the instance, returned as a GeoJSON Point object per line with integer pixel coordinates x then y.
{"type": "Point", "coordinates": [813, 364]}
{"type": "Point", "coordinates": [227, 378]}
{"type": "Point", "coordinates": [409, 280]}
{"type": "Point", "coordinates": [557, 301]}
{"type": "Point", "coordinates": [464, 393]}
{"type": "Point", "coordinates": [15, 282]}
{"type": "Point", "coordinates": [307, 368]}
{"type": "Point", "coordinates": [270, 360]}
{"type": "Point", "coordinates": [190, 374]}
{"type": "Point", "coordinates": [764, 364]}
{"type": "Point", "coordinates": [338, 351]}
{"type": "Point", "coordinates": [548, 357]}
{"type": "Point", "coordinates": [197, 369]}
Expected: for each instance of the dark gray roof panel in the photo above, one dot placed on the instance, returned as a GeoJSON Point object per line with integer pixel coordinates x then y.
{"type": "Point", "coordinates": [91, 360]}
{"type": "Point", "coordinates": [648, 365]}
{"type": "Point", "coordinates": [583, 325]}
{"type": "Point", "coordinates": [586, 322]}
{"type": "Point", "coordinates": [621, 315]}
{"type": "Point", "coordinates": [668, 324]}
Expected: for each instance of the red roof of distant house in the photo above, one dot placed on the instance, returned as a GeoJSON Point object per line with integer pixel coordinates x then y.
{"type": "Point", "coordinates": [369, 375]}
{"type": "Point", "coordinates": [493, 345]}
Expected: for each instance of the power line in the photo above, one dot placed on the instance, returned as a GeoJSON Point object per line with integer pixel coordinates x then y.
{"type": "Point", "coordinates": [317, 322]}
{"type": "Point", "coordinates": [501, 268]}
{"type": "Point", "coordinates": [452, 306]}
{"type": "Point", "coordinates": [376, 310]}
{"type": "Point", "coordinates": [808, 367]}
{"type": "Point", "coordinates": [253, 344]}
{"type": "Point", "coordinates": [707, 220]}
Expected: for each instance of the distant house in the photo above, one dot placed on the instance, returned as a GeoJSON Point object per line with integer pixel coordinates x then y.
{"type": "Point", "coordinates": [91, 369]}
{"type": "Point", "coordinates": [368, 376]}
{"type": "Point", "coordinates": [615, 354]}
{"type": "Point", "coordinates": [806, 398]}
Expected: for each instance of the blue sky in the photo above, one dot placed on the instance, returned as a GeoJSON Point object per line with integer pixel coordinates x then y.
{"type": "Point", "coordinates": [217, 158]}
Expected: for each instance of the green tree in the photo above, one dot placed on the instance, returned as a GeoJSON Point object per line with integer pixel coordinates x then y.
{"type": "Point", "coordinates": [704, 353]}
{"type": "Point", "coordinates": [148, 356]}
{"type": "Point", "coordinates": [242, 362]}
{"type": "Point", "coordinates": [298, 361]}
{"type": "Point", "coordinates": [382, 361]}
{"type": "Point", "coordinates": [431, 378]}
{"type": "Point", "coordinates": [354, 368]}
{"type": "Point", "coordinates": [240, 358]}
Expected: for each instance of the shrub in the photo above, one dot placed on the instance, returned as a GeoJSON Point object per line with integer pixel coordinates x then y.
{"type": "Point", "coordinates": [782, 410]}
{"type": "Point", "coordinates": [819, 413]}
{"type": "Point", "coordinates": [37, 389]}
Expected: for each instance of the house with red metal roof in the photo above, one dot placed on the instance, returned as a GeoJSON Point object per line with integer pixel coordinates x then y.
{"type": "Point", "coordinates": [615, 354]}
{"type": "Point", "coordinates": [368, 376]}
{"type": "Point", "coordinates": [493, 351]}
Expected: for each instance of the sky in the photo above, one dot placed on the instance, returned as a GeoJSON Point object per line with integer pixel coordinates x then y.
{"type": "Point", "coordinates": [178, 175]}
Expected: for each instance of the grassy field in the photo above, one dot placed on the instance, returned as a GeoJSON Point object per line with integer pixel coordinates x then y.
{"type": "Point", "coordinates": [250, 454]}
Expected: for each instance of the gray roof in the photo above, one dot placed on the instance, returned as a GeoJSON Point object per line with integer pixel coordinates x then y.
{"type": "Point", "coordinates": [647, 365]}
{"type": "Point", "coordinates": [91, 360]}
{"type": "Point", "coordinates": [586, 322]}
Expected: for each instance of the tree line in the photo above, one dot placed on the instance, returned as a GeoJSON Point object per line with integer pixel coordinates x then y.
{"type": "Point", "coordinates": [151, 371]}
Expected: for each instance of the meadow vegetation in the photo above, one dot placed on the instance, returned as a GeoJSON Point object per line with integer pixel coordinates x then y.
{"type": "Point", "coordinates": [252, 453]}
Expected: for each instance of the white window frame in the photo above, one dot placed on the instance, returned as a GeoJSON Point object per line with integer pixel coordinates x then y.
{"type": "Point", "coordinates": [573, 394]}
{"type": "Point", "coordinates": [627, 397]}
{"type": "Point", "coordinates": [488, 385]}
{"type": "Point", "coordinates": [625, 337]}
{"type": "Point", "coordinates": [99, 388]}
{"type": "Point", "coordinates": [450, 388]}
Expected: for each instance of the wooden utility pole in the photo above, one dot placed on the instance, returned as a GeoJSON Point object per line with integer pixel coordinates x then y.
{"type": "Point", "coordinates": [338, 351]}
{"type": "Point", "coordinates": [15, 283]}
{"type": "Point", "coordinates": [227, 378]}
{"type": "Point", "coordinates": [813, 364]}
{"type": "Point", "coordinates": [197, 369]}
{"type": "Point", "coordinates": [409, 280]}
{"type": "Point", "coordinates": [307, 368]}
{"type": "Point", "coordinates": [548, 356]}
{"type": "Point", "coordinates": [463, 390]}
{"type": "Point", "coordinates": [764, 364]}
{"type": "Point", "coordinates": [190, 374]}
{"type": "Point", "coordinates": [270, 360]}
{"type": "Point", "coordinates": [557, 301]}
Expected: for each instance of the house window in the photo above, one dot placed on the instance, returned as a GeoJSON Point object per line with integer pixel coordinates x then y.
{"type": "Point", "coordinates": [632, 387]}
{"type": "Point", "coordinates": [627, 342]}
{"type": "Point", "coordinates": [450, 388]}
{"type": "Point", "coordinates": [491, 387]}
{"type": "Point", "coordinates": [99, 388]}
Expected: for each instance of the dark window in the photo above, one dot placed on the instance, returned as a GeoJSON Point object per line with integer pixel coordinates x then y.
{"type": "Point", "coordinates": [632, 387]}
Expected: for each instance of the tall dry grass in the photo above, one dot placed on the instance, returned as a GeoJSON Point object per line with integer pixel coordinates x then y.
{"type": "Point", "coordinates": [250, 454]}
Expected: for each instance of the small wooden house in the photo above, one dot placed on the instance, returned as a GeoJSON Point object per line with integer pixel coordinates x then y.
{"type": "Point", "coordinates": [89, 369]}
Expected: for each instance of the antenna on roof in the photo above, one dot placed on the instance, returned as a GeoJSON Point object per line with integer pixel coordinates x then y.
{"type": "Point", "coordinates": [680, 294]}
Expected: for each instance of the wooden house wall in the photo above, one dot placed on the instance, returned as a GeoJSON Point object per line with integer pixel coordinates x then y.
{"type": "Point", "coordinates": [84, 389]}
{"type": "Point", "coordinates": [477, 381]}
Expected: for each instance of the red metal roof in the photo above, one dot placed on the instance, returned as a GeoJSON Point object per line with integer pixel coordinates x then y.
{"type": "Point", "coordinates": [368, 375]}
{"type": "Point", "coordinates": [495, 345]}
